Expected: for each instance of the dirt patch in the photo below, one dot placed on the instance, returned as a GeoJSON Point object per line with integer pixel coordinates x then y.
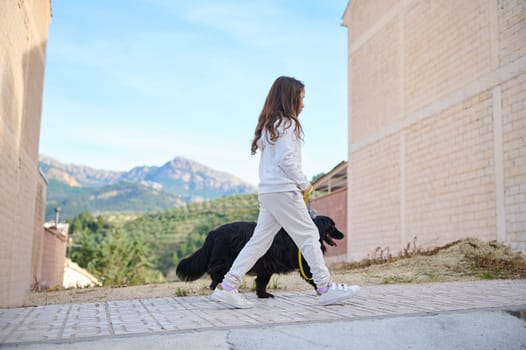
{"type": "Point", "coordinates": [464, 260]}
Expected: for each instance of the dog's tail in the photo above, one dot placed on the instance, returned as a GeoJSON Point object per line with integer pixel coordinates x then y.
{"type": "Point", "coordinates": [195, 265]}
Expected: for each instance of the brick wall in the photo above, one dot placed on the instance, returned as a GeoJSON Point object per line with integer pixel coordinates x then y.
{"type": "Point", "coordinates": [446, 46]}
{"type": "Point", "coordinates": [510, 31]}
{"type": "Point", "coordinates": [374, 209]}
{"type": "Point", "coordinates": [23, 37]}
{"type": "Point", "coordinates": [449, 174]}
{"type": "Point", "coordinates": [437, 118]}
{"type": "Point", "coordinates": [365, 15]}
{"type": "Point", "coordinates": [334, 205]}
{"type": "Point", "coordinates": [377, 79]}
{"type": "Point", "coordinates": [514, 159]}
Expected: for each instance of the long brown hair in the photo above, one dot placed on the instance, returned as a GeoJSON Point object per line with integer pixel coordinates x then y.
{"type": "Point", "coordinates": [282, 105]}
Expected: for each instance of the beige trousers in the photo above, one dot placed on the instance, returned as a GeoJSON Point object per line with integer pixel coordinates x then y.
{"type": "Point", "coordinates": [277, 210]}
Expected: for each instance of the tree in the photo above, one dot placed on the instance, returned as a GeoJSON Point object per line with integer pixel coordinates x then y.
{"type": "Point", "coordinates": [125, 260]}
{"type": "Point", "coordinates": [114, 256]}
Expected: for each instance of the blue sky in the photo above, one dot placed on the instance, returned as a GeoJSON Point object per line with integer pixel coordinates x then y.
{"type": "Point", "coordinates": [139, 82]}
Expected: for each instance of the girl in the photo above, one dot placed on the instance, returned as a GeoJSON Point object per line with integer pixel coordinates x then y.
{"type": "Point", "coordinates": [278, 136]}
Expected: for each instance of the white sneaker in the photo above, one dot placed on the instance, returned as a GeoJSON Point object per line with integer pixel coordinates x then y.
{"type": "Point", "coordinates": [337, 292]}
{"type": "Point", "coordinates": [232, 298]}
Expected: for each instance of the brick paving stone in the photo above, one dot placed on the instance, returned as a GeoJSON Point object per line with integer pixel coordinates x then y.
{"type": "Point", "coordinates": [183, 319]}
{"type": "Point", "coordinates": [130, 316]}
{"type": "Point", "coordinates": [157, 315]}
{"type": "Point", "coordinates": [87, 320]}
{"type": "Point", "coordinates": [10, 319]}
{"type": "Point", "coordinates": [43, 323]}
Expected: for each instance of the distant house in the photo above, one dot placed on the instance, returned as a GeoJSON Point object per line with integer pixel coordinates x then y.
{"type": "Point", "coordinates": [437, 123]}
{"type": "Point", "coordinates": [77, 277]}
{"type": "Point", "coordinates": [53, 253]}
{"type": "Point", "coordinates": [334, 180]}
{"type": "Point", "coordinates": [330, 199]}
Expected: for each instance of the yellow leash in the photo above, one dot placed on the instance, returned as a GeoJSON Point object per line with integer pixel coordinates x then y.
{"type": "Point", "coordinates": [301, 267]}
{"type": "Point", "coordinates": [306, 199]}
{"type": "Point", "coordinates": [307, 194]}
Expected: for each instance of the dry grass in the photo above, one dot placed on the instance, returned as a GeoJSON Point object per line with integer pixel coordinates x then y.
{"type": "Point", "coordinates": [468, 259]}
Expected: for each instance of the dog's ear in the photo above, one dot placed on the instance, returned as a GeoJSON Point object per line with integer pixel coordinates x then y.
{"type": "Point", "coordinates": [323, 224]}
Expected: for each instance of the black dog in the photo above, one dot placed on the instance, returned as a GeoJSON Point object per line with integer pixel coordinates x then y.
{"type": "Point", "coordinates": [223, 244]}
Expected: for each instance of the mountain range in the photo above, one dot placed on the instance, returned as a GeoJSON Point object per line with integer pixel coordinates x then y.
{"type": "Point", "coordinates": [78, 188]}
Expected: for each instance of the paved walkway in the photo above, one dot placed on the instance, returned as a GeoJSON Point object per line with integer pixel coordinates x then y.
{"type": "Point", "coordinates": [67, 323]}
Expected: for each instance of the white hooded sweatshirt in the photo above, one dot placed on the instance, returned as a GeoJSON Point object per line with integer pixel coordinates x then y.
{"type": "Point", "coordinates": [280, 162]}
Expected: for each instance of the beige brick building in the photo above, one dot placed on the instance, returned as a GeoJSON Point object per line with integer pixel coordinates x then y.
{"type": "Point", "coordinates": [437, 122]}
{"type": "Point", "coordinates": [23, 39]}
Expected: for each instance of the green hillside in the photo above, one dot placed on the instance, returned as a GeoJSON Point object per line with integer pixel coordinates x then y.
{"type": "Point", "coordinates": [178, 232]}
{"type": "Point", "coordinates": [162, 237]}
{"type": "Point", "coordinates": [120, 197]}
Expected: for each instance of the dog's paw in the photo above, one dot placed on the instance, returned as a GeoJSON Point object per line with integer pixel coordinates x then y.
{"type": "Point", "coordinates": [265, 295]}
